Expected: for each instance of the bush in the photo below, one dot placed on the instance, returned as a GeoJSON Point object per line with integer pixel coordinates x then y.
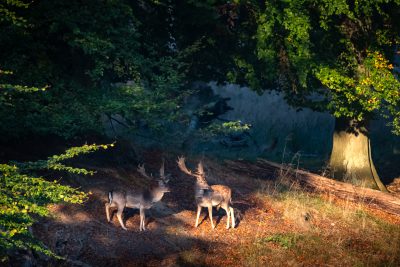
{"type": "Point", "coordinates": [25, 197]}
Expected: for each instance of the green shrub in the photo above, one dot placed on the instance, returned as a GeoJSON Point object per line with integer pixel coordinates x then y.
{"type": "Point", "coordinates": [24, 197]}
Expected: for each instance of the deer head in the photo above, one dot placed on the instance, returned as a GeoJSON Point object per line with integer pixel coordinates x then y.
{"type": "Point", "coordinates": [162, 181]}
{"type": "Point", "coordinates": [199, 174]}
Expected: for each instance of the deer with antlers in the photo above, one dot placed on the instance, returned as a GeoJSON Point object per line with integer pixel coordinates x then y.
{"type": "Point", "coordinates": [209, 196]}
{"type": "Point", "coordinates": [141, 200]}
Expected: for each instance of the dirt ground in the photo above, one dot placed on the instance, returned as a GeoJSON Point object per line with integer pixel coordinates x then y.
{"type": "Point", "coordinates": [82, 234]}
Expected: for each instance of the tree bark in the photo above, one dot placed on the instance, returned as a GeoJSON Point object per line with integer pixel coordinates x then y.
{"type": "Point", "coordinates": [351, 157]}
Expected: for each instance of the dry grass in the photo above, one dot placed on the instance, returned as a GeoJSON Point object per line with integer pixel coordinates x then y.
{"type": "Point", "coordinates": [325, 231]}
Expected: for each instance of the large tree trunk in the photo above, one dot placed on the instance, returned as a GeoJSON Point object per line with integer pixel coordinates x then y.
{"type": "Point", "coordinates": [351, 159]}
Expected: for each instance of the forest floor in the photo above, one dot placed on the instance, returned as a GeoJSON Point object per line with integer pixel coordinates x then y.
{"type": "Point", "coordinates": [277, 224]}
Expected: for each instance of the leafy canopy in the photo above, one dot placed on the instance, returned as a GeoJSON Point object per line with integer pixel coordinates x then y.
{"type": "Point", "coordinates": [88, 60]}
{"type": "Point", "coordinates": [329, 55]}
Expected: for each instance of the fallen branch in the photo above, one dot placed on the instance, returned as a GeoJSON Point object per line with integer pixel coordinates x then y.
{"type": "Point", "coordinates": [264, 169]}
{"type": "Point", "coordinates": [380, 200]}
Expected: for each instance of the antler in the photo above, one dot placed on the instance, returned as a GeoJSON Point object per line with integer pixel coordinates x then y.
{"type": "Point", "coordinates": [142, 171]}
{"type": "Point", "coordinates": [200, 168]}
{"type": "Point", "coordinates": [162, 172]}
{"type": "Point", "coordinates": [182, 166]}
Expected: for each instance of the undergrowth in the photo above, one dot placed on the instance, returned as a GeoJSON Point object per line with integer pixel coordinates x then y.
{"type": "Point", "coordinates": [324, 231]}
{"type": "Point", "coordinates": [25, 196]}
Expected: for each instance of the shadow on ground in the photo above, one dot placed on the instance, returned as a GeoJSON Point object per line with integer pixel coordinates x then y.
{"type": "Point", "coordinates": [81, 233]}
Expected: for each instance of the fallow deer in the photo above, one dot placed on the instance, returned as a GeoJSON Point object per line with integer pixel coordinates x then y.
{"type": "Point", "coordinates": [142, 200]}
{"type": "Point", "coordinates": [209, 196]}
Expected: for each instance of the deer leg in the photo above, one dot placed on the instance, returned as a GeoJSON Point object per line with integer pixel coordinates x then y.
{"type": "Point", "coordinates": [226, 208]}
{"type": "Point", "coordinates": [108, 211]}
{"type": "Point", "coordinates": [142, 219]}
{"type": "Point", "coordinates": [119, 216]}
{"type": "Point", "coordinates": [210, 215]}
{"type": "Point", "coordinates": [198, 215]}
{"type": "Point", "coordinates": [232, 216]}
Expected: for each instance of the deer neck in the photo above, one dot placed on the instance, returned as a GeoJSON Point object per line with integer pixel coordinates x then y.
{"type": "Point", "coordinates": [156, 194]}
{"type": "Point", "coordinates": [201, 183]}
{"type": "Point", "coordinates": [200, 188]}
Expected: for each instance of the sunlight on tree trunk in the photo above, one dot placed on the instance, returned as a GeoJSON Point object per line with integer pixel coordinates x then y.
{"type": "Point", "coordinates": [351, 159]}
